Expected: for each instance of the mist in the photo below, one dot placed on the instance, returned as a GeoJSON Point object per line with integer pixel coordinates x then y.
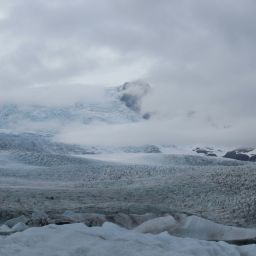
{"type": "Point", "coordinates": [198, 57]}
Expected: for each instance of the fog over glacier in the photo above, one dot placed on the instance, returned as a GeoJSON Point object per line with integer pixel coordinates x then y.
{"type": "Point", "coordinates": [127, 127]}
{"type": "Point", "coordinates": [199, 58]}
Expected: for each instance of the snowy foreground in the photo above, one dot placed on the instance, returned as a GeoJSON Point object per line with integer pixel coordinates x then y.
{"type": "Point", "coordinates": [112, 240]}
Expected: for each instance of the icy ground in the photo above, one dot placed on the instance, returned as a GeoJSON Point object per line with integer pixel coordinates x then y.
{"type": "Point", "coordinates": [218, 189]}
{"type": "Point", "coordinates": [146, 194]}
{"type": "Point", "coordinates": [110, 240]}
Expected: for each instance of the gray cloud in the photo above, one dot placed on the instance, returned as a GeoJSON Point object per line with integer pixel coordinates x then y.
{"type": "Point", "coordinates": [189, 42]}
{"type": "Point", "coordinates": [198, 55]}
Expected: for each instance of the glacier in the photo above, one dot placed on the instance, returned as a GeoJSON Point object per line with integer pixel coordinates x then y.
{"type": "Point", "coordinates": [161, 199]}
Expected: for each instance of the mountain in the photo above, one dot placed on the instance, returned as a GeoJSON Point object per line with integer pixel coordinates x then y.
{"type": "Point", "coordinates": [39, 143]}
{"type": "Point", "coordinates": [120, 105]}
{"type": "Point", "coordinates": [131, 93]}
{"type": "Point", "coordinates": [31, 127]}
{"type": "Point", "coordinates": [243, 154]}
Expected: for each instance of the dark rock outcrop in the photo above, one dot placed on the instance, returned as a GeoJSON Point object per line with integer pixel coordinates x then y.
{"type": "Point", "coordinates": [242, 154]}
{"type": "Point", "coordinates": [131, 94]}
{"type": "Point", "coordinates": [206, 151]}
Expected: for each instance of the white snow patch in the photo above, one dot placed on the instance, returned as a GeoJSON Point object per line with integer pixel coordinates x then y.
{"type": "Point", "coordinates": [195, 227]}
{"type": "Point", "coordinates": [157, 225]}
{"type": "Point", "coordinates": [110, 240]}
{"type": "Point", "coordinates": [250, 153]}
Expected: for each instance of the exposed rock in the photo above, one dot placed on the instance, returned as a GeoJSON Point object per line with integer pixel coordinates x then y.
{"type": "Point", "coordinates": [142, 149]}
{"type": "Point", "coordinates": [237, 156]}
{"type": "Point", "coordinates": [152, 149]}
{"type": "Point", "coordinates": [211, 154]}
{"type": "Point", "coordinates": [39, 218]}
{"type": "Point", "coordinates": [205, 151]}
{"type": "Point", "coordinates": [253, 158]}
{"type": "Point", "coordinates": [146, 116]}
{"type": "Point", "coordinates": [131, 93]}
{"type": "Point", "coordinates": [94, 219]}
{"type": "Point", "coordinates": [242, 154]}
{"type": "Point", "coordinates": [62, 222]}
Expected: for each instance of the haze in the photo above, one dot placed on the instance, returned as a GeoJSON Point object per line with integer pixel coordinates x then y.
{"type": "Point", "coordinates": [198, 56]}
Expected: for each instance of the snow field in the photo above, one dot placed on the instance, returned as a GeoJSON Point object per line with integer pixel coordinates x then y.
{"type": "Point", "coordinates": [110, 240]}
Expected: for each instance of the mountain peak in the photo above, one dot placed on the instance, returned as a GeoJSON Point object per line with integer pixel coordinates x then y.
{"type": "Point", "coordinates": [132, 93]}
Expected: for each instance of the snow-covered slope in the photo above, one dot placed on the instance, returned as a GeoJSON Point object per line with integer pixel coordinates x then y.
{"type": "Point", "coordinates": [119, 105]}
{"type": "Point", "coordinates": [39, 143]}
{"type": "Point", "coordinates": [242, 154]}
{"type": "Point", "coordinates": [149, 154]}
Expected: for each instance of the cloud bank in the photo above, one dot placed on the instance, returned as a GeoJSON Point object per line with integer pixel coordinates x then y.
{"type": "Point", "coordinates": [199, 56]}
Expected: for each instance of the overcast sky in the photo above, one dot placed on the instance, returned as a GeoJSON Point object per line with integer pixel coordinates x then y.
{"type": "Point", "coordinates": [198, 55]}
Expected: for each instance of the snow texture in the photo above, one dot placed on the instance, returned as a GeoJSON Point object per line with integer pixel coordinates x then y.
{"type": "Point", "coordinates": [110, 240]}
{"type": "Point", "coordinates": [32, 117]}
{"type": "Point", "coordinates": [219, 189]}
